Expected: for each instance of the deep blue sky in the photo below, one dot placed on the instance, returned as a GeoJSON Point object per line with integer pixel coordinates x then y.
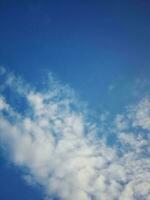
{"type": "Point", "coordinates": [89, 44]}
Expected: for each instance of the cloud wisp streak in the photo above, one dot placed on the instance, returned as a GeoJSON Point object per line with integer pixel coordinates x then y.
{"type": "Point", "coordinates": [62, 151]}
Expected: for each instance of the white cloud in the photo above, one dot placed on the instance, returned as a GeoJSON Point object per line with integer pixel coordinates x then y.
{"type": "Point", "coordinates": [3, 104]}
{"type": "Point", "coordinates": [121, 123]}
{"type": "Point", "coordinates": [141, 114]}
{"type": "Point", "coordinates": [54, 143]}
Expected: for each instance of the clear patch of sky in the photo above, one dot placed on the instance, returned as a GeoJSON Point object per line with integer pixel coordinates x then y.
{"type": "Point", "coordinates": [87, 44]}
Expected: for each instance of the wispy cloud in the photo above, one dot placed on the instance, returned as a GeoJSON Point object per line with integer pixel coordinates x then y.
{"type": "Point", "coordinates": [61, 150]}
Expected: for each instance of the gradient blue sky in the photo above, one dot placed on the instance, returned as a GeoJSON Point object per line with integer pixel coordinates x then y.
{"type": "Point", "coordinates": [90, 45]}
{"type": "Point", "coordinates": [94, 46]}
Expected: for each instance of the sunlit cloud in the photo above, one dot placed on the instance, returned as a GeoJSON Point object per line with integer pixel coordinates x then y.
{"type": "Point", "coordinates": [59, 149]}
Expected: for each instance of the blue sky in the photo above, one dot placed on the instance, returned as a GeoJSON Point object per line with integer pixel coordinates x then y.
{"type": "Point", "coordinates": [106, 41]}
{"type": "Point", "coordinates": [100, 49]}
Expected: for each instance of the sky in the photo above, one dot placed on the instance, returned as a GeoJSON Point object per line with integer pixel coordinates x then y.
{"type": "Point", "coordinates": [74, 87]}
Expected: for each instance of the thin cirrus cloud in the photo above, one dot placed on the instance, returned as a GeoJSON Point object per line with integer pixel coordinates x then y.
{"type": "Point", "coordinates": [61, 150]}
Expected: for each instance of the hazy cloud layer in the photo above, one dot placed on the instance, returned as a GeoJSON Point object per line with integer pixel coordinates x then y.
{"type": "Point", "coordinates": [59, 149]}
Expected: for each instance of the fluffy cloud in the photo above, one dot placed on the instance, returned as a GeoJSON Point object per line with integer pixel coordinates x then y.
{"type": "Point", "coordinates": [141, 114]}
{"type": "Point", "coordinates": [59, 150]}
